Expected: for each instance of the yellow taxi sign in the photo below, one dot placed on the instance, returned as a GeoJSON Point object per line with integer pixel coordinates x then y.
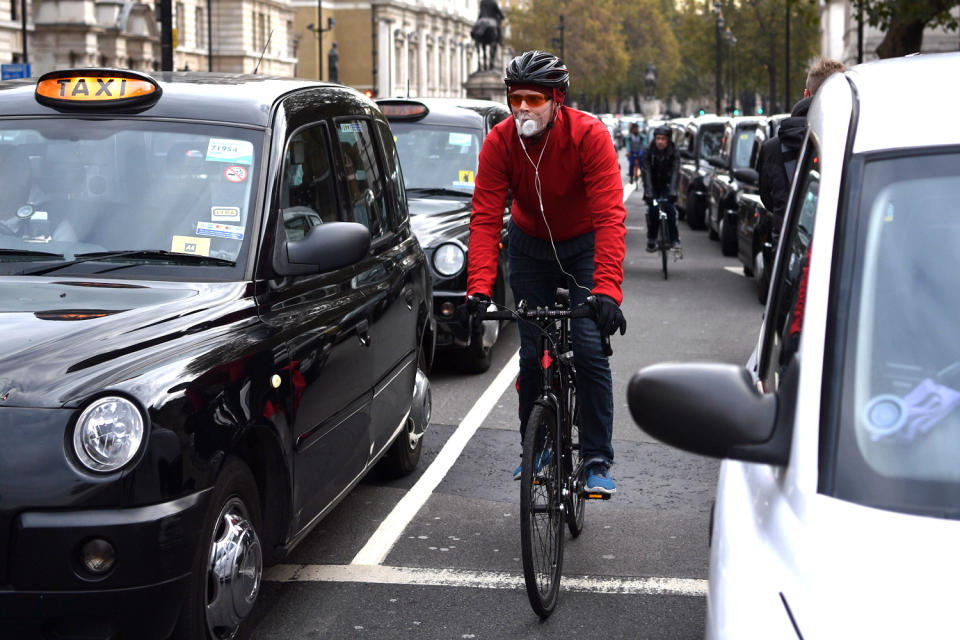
{"type": "Point", "coordinates": [95, 88]}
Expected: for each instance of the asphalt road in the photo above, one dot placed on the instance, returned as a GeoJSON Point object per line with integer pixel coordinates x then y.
{"type": "Point", "coordinates": [447, 565]}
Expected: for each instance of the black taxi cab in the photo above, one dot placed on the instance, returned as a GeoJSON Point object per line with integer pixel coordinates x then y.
{"type": "Point", "coordinates": [439, 142]}
{"type": "Point", "coordinates": [214, 320]}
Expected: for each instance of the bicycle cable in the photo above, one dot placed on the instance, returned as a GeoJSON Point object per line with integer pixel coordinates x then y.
{"type": "Point", "coordinates": [537, 185]}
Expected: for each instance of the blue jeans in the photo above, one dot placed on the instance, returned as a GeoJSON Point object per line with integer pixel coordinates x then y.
{"type": "Point", "coordinates": [536, 281]}
{"type": "Point", "coordinates": [636, 159]}
{"type": "Point", "coordinates": [653, 220]}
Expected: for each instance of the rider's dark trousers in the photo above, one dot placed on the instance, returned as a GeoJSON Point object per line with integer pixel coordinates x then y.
{"type": "Point", "coordinates": [535, 277]}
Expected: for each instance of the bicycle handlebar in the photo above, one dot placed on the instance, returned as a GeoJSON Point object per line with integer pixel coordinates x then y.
{"type": "Point", "coordinates": [545, 313]}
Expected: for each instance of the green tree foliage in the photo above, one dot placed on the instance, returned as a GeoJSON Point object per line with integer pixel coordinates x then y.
{"type": "Point", "coordinates": [903, 22]}
{"type": "Point", "coordinates": [649, 40]}
{"type": "Point", "coordinates": [595, 49]}
{"type": "Point", "coordinates": [759, 55]}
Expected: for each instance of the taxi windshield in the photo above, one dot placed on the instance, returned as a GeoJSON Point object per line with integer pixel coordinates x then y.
{"type": "Point", "coordinates": [899, 434]}
{"type": "Point", "coordinates": [158, 197]}
{"type": "Point", "coordinates": [437, 157]}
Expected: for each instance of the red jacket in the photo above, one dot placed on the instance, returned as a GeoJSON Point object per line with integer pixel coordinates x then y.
{"type": "Point", "coordinates": [582, 192]}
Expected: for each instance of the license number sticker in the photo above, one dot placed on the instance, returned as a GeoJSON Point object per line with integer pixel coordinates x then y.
{"type": "Point", "coordinates": [227, 150]}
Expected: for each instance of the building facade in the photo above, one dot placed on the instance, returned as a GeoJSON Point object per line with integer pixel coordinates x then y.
{"type": "Point", "coordinates": [838, 31]}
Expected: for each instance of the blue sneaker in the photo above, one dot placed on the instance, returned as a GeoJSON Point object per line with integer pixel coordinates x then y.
{"type": "Point", "coordinates": [599, 480]}
{"type": "Point", "coordinates": [541, 463]}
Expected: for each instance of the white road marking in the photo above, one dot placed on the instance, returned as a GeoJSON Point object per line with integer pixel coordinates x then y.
{"type": "Point", "coordinates": [379, 574]}
{"type": "Point", "coordinates": [627, 190]}
{"type": "Point", "coordinates": [629, 228]}
{"type": "Point", "coordinates": [381, 542]}
{"type": "Point", "coordinates": [736, 270]}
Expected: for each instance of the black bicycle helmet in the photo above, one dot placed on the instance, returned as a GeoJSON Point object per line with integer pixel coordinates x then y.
{"type": "Point", "coordinates": [662, 130]}
{"type": "Point", "coordinates": [540, 68]}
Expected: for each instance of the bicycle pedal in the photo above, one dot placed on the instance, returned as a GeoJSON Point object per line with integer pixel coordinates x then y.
{"type": "Point", "coordinates": [597, 496]}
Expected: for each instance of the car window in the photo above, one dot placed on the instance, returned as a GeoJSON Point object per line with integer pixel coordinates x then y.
{"type": "Point", "coordinates": [899, 427]}
{"type": "Point", "coordinates": [72, 186]}
{"type": "Point", "coordinates": [368, 204]}
{"type": "Point", "coordinates": [394, 173]}
{"type": "Point", "coordinates": [711, 141]}
{"type": "Point", "coordinates": [435, 156]}
{"type": "Point", "coordinates": [307, 187]}
{"type": "Point", "coordinates": [784, 320]}
{"type": "Point", "coordinates": [743, 146]}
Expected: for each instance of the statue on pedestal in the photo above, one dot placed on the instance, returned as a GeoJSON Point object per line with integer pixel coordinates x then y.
{"type": "Point", "coordinates": [487, 34]}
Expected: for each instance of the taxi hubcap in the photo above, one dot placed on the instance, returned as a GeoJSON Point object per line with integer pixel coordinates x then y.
{"type": "Point", "coordinates": [234, 571]}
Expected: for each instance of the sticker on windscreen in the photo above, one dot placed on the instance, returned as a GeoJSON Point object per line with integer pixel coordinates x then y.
{"type": "Point", "coordinates": [191, 245]}
{"type": "Point", "coordinates": [236, 173]}
{"type": "Point", "coordinates": [217, 230]}
{"type": "Point", "coordinates": [459, 139]}
{"type": "Point", "coordinates": [466, 177]}
{"type": "Point", "coordinates": [351, 127]}
{"type": "Point", "coordinates": [226, 150]}
{"type": "Point", "coordinates": [225, 214]}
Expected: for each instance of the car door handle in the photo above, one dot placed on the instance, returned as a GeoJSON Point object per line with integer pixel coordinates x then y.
{"type": "Point", "coordinates": [408, 297]}
{"type": "Point", "coordinates": [363, 332]}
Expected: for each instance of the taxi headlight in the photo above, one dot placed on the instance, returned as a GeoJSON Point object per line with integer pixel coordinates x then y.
{"type": "Point", "coordinates": [108, 434]}
{"type": "Point", "coordinates": [448, 259]}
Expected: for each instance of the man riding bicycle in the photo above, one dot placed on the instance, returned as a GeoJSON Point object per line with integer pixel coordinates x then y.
{"type": "Point", "coordinates": [567, 230]}
{"type": "Point", "coordinates": [661, 172]}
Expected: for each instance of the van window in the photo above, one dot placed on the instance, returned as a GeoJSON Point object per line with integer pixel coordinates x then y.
{"type": "Point", "coordinates": [308, 189]}
{"type": "Point", "coordinates": [367, 204]}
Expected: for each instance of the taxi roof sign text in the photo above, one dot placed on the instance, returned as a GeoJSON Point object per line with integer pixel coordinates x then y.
{"type": "Point", "coordinates": [95, 88]}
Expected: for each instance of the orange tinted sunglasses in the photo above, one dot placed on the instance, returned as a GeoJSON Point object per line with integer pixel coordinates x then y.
{"type": "Point", "coordinates": [532, 99]}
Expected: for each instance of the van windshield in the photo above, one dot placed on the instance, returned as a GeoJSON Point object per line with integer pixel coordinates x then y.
{"type": "Point", "coordinates": [163, 194]}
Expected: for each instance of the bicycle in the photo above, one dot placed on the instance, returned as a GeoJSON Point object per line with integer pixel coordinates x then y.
{"type": "Point", "coordinates": [552, 474]}
{"type": "Point", "coordinates": [664, 244]}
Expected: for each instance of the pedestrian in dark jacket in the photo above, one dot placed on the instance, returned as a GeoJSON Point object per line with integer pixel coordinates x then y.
{"type": "Point", "coordinates": [778, 155]}
{"type": "Point", "coordinates": [661, 173]}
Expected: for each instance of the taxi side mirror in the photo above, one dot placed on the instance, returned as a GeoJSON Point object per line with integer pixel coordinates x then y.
{"type": "Point", "coordinates": [747, 175]}
{"type": "Point", "coordinates": [713, 410]}
{"type": "Point", "coordinates": [326, 247]}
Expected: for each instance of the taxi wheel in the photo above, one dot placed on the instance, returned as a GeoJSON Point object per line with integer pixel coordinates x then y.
{"type": "Point", "coordinates": [228, 566]}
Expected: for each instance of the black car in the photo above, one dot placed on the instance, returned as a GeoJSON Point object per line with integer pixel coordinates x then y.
{"type": "Point", "coordinates": [215, 320]}
{"type": "Point", "coordinates": [756, 233]}
{"type": "Point", "coordinates": [696, 141]}
{"type": "Point", "coordinates": [439, 142]}
{"type": "Point", "coordinates": [735, 153]}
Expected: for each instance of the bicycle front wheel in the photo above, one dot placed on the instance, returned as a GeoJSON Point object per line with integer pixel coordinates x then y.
{"type": "Point", "coordinates": [541, 518]}
{"type": "Point", "coordinates": [576, 500]}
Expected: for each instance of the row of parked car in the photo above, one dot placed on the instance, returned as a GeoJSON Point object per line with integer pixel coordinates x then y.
{"type": "Point", "coordinates": [718, 187]}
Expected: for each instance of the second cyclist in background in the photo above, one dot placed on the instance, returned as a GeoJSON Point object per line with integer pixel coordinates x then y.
{"type": "Point", "coordinates": [566, 230]}
{"type": "Point", "coordinates": [661, 173]}
{"type": "Point", "coordinates": [635, 151]}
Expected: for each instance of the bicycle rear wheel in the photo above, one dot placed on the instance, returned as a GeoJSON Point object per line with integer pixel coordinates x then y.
{"type": "Point", "coordinates": [576, 501]}
{"type": "Point", "coordinates": [664, 246]}
{"type": "Point", "coordinates": [541, 519]}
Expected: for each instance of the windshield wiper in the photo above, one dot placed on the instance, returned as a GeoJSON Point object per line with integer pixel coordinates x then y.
{"type": "Point", "coordinates": [440, 191]}
{"type": "Point", "coordinates": [26, 253]}
{"type": "Point", "coordinates": [145, 254]}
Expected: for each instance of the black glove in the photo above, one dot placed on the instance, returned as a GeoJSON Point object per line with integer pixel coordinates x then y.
{"type": "Point", "coordinates": [608, 316]}
{"type": "Point", "coordinates": [466, 325]}
{"type": "Point", "coordinates": [672, 198]}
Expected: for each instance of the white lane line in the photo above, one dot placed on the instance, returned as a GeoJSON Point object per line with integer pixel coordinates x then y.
{"type": "Point", "coordinates": [379, 574]}
{"type": "Point", "coordinates": [629, 228]}
{"type": "Point", "coordinates": [627, 190]}
{"type": "Point", "coordinates": [386, 535]}
{"type": "Point", "coordinates": [736, 270]}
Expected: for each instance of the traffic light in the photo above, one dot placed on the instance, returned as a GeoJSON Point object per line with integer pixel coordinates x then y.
{"type": "Point", "coordinates": [736, 112]}
{"type": "Point", "coordinates": [702, 112]}
{"type": "Point", "coordinates": [759, 111]}
{"type": "Point", "coordinates": [368, 93]}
